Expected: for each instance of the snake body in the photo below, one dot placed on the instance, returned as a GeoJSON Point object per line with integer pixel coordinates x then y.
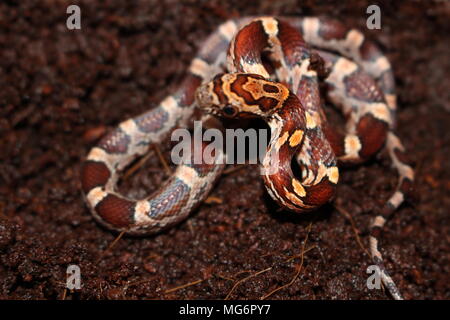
{"type": "Point", "coordinates": [234, 76]}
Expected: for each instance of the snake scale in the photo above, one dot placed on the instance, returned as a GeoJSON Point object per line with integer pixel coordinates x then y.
{"type": "Point", "coordinates": [274, 69]}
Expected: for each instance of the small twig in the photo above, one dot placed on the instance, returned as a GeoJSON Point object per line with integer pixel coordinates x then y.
{"type": "Point", "coordinates": [64, 294]}
{"type": "Point", "coordinates": [136, 166]}
{"type": "Point", "coordinates": [245, 279]}
{"type": "Point", "coordinates": [233, 277]}
{"type": "Point", "coordinates": [161, 158]}
{"type": "Point", "coordinates": [141, 162]}
{"type": "Point", "coordinates": [300, 255]}
{"type": "Point", "coordinates": [212, 199]}
{"type": "Point", "coordinates": [299, 267]}
{"type": "Point", "coordinates": [111, 245]}
{"type": "Point", "coordinates": [234, 169]}
{"type": "Point", "coordinates": [347, 215]}
{"type": "Point", "coordinates": [115, 241]}
{"type": "Point", "coordinates": [184, 286]}
{"type": "Point", "coordinates": [190, 227]}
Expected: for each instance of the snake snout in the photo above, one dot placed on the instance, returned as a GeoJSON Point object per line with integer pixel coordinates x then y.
{"type": "Point", "coordinates": [205, 98]}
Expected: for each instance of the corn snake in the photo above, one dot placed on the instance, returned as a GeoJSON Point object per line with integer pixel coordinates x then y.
{"type": "Point", "coordinates": [301, 53]}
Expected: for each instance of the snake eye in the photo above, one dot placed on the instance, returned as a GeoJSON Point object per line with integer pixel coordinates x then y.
{"type": "Point", "coordinates": [229, 111]}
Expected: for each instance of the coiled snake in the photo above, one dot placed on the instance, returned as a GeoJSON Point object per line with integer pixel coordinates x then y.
{"type": "Point", "coordinates": [298, 53]}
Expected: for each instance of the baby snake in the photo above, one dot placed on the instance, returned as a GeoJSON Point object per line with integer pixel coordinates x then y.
{"type": "Point", "coordinates": [234, 76]}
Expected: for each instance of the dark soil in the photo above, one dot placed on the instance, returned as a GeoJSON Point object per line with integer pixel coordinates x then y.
{"type": "Point", "coordinates": [60, 90]}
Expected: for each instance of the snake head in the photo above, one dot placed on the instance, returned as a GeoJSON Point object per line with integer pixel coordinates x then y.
{"type": "Point", "coordinates": [241, 95]}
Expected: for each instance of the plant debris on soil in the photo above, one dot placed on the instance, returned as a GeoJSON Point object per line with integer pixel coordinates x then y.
{"type": "Point", "coordinates": [61, 90]}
